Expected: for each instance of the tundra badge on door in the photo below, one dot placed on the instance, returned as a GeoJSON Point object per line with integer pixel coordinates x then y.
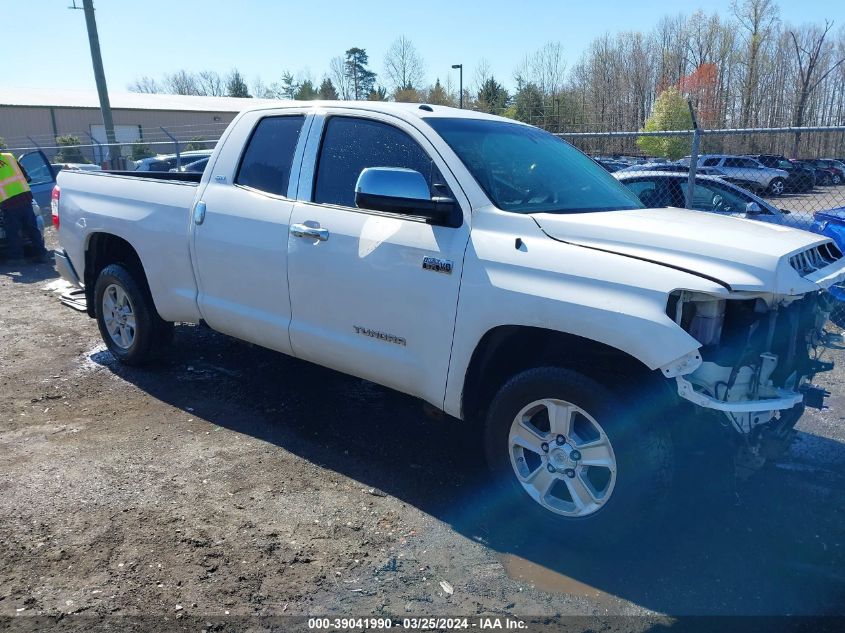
{"type": "Point", "coordinates": [437, 265]}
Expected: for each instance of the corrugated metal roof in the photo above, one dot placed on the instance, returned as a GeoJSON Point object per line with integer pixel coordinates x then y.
{"type": "Point", "coordinates": [45, 97]}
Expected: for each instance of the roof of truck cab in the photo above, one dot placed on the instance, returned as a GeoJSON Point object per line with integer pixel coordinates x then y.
{"type": "Point", "coordinates": [419, 110]}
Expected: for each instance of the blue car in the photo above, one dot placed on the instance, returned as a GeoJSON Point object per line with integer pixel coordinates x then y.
{"type": "Point", "coordinates": [831, 223]}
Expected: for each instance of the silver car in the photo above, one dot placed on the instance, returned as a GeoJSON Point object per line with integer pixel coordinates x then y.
{"type": "Point", "coordinates": [750, 171]}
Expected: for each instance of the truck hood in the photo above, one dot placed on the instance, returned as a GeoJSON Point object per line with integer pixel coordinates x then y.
{"type": "Point", "coordinates": [740, 254]}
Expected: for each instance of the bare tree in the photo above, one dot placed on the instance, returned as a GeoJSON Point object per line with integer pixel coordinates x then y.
{"type": "Point", "coordinates": [816, 59]}
{"type": "Point", "coordinates": [340, 78]}
{"type": "Point", "coordinates": [403, 66]}
{"type": "Point", "coordinates": [145, 84]}
{"type": "Point", "coordinates": [210, 83]}
{"type": "Point", "coordinates": [545, 68]}
{"type": "Point", "coordinates": [181, 82]}
{"type": "Point", "coordinates": [758, 18]}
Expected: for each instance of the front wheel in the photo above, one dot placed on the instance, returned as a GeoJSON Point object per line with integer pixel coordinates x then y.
{"type": "Point", "coordinates": [836, 179]}
{"type": "Point", "coordinates": [569, 454]}
{"type": "Point", "coordinates": [129, 324]}
{"type": "Point", "coordinates": [777, 187]}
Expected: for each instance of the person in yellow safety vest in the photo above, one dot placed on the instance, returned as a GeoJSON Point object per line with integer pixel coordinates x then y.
{"type": "Point", "coordinates": [16, 208]}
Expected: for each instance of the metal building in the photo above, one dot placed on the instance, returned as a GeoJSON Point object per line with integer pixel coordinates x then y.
{"type": "Point", "coordinates": [32, 117]}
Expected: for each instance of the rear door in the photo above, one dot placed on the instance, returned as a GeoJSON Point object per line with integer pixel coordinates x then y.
{"type": "Point", "coordinates": [376, 295]}
{"type": "Point", "coordinates": [240, 230]}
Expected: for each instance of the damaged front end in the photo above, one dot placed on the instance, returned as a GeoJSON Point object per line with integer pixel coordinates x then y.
{"type": "Point", "coordinates": [758, 357]}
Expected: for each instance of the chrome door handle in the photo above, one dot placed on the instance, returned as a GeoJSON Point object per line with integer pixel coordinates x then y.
{"type": "Point", "coordinates": [302, 230]}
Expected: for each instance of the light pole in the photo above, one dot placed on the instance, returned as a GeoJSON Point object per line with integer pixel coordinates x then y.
{"type": "Point", "coordinates": [460, 84]}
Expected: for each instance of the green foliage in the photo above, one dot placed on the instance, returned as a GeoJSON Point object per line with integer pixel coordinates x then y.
{"type": "Point", "coordinates": [289, 86]}
{"type": "Point", "coordinates": [377, 94]}
{"type": "Point", "coordinates": [407, 95]}
{"type": "Point", "coordinates": [437, 95]}
{"type": "Point", "coordinates": [671, 112]}
{"type": "Point", "coordinates": [197, 142]}
{"type": "Point", "coordinates": [361, 78]}
{"type": "Point", "coordinates": [70, 151]}
{"type": "Point", "coordinates": [327, 90]}
{"type": "Point", "coordinates": [236, 86]}
{"type": "Point", "coordinates": [306, 92]}
{"type": "Point", "coordinates": [141, 151]}
{"type": "Point", "coordinates": [528, 104]}
{"type": "Point", "coordinates": [492, 96]}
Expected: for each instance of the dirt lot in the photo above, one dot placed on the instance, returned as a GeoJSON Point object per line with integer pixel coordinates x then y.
{"type": "Point", "coordinates": [232, 480]}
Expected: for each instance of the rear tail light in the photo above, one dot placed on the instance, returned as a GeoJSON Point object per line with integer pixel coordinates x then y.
{"type": "Point", "coordinates": [54, 205]}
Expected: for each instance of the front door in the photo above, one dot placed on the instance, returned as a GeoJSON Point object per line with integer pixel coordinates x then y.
{"type": "Point", "coordinates": [373, 294]}
{"type": "Point", "coordinates": [241, 235]}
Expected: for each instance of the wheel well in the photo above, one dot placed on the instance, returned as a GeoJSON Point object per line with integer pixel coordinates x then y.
{"type": "Point", "coordinates": [506, 350]}
{"type": "Point", "coordinates": [105, 249]}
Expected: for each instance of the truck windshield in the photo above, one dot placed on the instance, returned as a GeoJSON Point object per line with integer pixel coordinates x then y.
{"type": "Point", "coordinates": [526, 170]}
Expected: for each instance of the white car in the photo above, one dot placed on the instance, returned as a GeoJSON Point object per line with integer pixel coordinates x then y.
{"type": "Point", "coordinates": [487, 268]}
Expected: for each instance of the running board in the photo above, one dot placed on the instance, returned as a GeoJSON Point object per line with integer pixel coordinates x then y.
{"type": "Point", "coordinates": [75, 299]}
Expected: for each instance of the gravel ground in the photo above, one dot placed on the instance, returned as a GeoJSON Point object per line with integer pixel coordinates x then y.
{"type": "Point", "coordinates": [228, 479]}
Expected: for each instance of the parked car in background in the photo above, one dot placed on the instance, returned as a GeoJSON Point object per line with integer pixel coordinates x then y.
{"type": "Point", "coordinates": [166, 162]}
{"type": "Point", "coordinates": [57, 167]}
{"type": "Point", "coordinates": [197, 166]}
{"type": "Point", "coordinates": [673, 167]}
{"type": "Point", "coordinates": [711, 194]}
{"type": "Point", "coordinates": [834, 168]}
{"type": "Point", "coordinates": [760, 179]}
{"type": "Point", "coordinates": [799, 178]}
{"type": "Point", "coordinates": [831, 223]}
{"type": "Point", "coordinates": [611, 165]}
{"type": "Point", "coordinates": [821, 175]}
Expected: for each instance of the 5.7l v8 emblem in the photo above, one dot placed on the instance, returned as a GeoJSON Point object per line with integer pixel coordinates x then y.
{"type": "Point", "coordinates": [437, 265]}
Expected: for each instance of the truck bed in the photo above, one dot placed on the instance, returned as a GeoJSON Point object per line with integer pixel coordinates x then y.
{"type": "Point", "coordinates": [151, 211]}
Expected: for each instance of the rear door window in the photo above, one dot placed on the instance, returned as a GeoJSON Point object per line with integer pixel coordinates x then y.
{"type": "Point", "coordinates": [268, 158]}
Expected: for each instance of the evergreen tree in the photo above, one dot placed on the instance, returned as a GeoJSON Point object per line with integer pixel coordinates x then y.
{"type": "Point", "coordinates": [327, 90]}
{"type": "Point", "coordinates": [492, 96]}
{"type": "Point", "coordinates": [377, 94]}
{"type": "Point", "coordinates": [360, 77]}
{"type": "Point", "coordinates": [306, 92]}
{"type": "Point", "coordinates": [236, 86]}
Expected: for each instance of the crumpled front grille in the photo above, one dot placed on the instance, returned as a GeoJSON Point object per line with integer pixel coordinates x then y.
{"type": "Point", "coordinates": [815, 258]}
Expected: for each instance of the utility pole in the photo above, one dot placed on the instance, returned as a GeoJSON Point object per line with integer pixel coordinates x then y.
{"type": "Point", "coordinates": [99, 73]}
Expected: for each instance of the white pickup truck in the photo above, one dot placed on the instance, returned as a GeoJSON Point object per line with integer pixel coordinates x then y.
{"type": "Point", "coordinates": [482, 265]}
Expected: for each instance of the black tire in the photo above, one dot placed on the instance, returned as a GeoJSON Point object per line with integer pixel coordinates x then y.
{"type": "Point", "coordinates": [827, 179]}
{"type": "Point", "coordinates": [642, 446]}
{"type": "Point", "coordinates": [777, 187]}
{"type": "Point", "coordinates": [836, 179]}
{"type": "Point", "coordinates": [151, 332]}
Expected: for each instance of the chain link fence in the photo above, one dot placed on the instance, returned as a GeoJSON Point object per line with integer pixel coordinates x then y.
{"type": "Point", "coordinates": [788, 176]}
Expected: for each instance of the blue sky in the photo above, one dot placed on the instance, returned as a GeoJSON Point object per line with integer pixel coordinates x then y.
{"type": "Point", "coordinates": [264, 38]}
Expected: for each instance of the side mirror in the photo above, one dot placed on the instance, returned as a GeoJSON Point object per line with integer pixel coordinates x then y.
{"type": "Point", "coordinates": [752, 208]}
{"type": "Point", "coordinates": [404, 191]}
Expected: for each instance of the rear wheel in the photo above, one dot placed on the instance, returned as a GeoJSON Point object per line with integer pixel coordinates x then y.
{"type": "Point", "coordinates": [129, 324]}
{"type": "Point", "coordinates": [827, 179]}
{"type": "Point", "coordinates": [568, 454]}
{"type": "Point", "coordinates": [777, 186]}
{"type": "Point", "coordinates": [836, 179]}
